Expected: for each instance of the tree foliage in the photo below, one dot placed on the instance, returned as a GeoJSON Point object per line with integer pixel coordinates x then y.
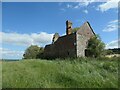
{"type": "Point", "coordinates": [33, 52]}
{"type": "Point", "coordinates": [40, 54]}
{"type": "Point", "coordinates": [75, 29]}
{"type": "Point", "coordinates": [108, 52]}
{"type": "Point", "coordinates": [95, 47]}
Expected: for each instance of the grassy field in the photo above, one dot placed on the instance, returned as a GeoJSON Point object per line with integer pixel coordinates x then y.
{"type": "Point", "coordinates": [68, 73]}
{"type": "Point", "coordinates": [0, 74]}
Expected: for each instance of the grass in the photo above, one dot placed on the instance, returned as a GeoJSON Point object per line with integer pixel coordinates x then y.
{"type": "Point", "coordinates": [0, 74]}
{"type": "Point", "coordinates": [68, 73]}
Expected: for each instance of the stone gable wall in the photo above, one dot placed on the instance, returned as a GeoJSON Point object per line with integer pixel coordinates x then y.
{"type": "Point", "coordinates": [85, 30]}
{"type": "Point", "coordinates": [82, 37]}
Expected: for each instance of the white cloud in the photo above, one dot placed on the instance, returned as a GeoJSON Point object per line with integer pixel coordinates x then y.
{"type": "Point", "coordinates": [69, 6]}
{"type": "Point", "coordinates": [113, 44]}
{"type": "Point", "coordinates": [63, 34]}
{"type": "Point", "coordinates": [77, 4]}
{"type": "Point", "coordinates": [80, 4]}
{"type": "Point", "coordinates": [5, 53]}
{"type": "Point", "coordinates": [84, 3]}
{"type": "Point", "coordinates": [112, 26]}
{"type": "Point", "coordinates": [106, 5]}
{"type": "Point", "coordinates": [85, 11]}
{"type": "Point", "coordinates": [26, 39]}
{"type": "Point", "coordinates": [110, 4]}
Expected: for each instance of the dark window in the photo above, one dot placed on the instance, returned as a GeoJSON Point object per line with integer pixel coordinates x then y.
{"type": "Point", "coordinates": [68, 53]}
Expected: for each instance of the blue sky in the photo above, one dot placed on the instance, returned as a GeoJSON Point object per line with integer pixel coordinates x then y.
{"type": "Point", "coordinates": [26, 23]}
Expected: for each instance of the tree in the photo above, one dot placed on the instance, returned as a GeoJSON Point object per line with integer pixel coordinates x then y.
{"type": "Point", "coordinates": [32, 52]}
{"type": "Point", "coordinates": [75, 29]}
{"type": "Point", "coordinates": [95, 47]}
{"type": "Point", "coordinates": [108, 52]}
{"type": "Point", "coordinates": [40, 54]}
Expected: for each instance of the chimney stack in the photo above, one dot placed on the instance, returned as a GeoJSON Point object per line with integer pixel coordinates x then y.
{"type": "Point", "coordinates": [68, 27]}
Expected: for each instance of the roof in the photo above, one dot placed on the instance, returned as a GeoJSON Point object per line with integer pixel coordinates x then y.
{"type": "Point", "coordinates": [90, 27]}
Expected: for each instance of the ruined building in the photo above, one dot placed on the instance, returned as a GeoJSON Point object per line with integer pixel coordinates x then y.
{"type": "Point", "coordinates": [73, 44]}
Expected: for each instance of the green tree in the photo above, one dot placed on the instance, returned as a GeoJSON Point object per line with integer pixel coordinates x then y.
{"type": "Point", "coordinates": [108, 52]}
{"type": "Point", "coordinates": [95, 47]}
{"type": "Point", "coordinates": [75, 29]}
{"type": "Point", "coordinates": [32, 52]}
{"type": "Point", "coordinates": [40, 54]}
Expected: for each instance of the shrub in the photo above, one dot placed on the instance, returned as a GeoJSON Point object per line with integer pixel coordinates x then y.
{"type": "Point", "coordinates": [33, 52]}
{"type": "Point", "coordinates": [95, 47]}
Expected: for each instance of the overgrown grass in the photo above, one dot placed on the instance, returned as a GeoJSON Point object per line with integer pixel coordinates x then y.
{"type": "Point", "coordinates": [0, 74]}
{"type": "Point", "coordinates": [68, 73]}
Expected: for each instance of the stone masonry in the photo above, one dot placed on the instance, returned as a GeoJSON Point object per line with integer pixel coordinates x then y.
{"type": "Point", "coordinates": [71, 44]}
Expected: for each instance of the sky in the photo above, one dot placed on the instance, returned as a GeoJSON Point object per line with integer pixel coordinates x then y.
{"type": "Point", "coordinates": [34, 23]}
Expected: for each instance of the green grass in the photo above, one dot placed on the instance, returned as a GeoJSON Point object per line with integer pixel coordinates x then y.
{"type": "Point", "coordinates": [0, 75]}
{"type": "Point", "coordinates": [68, 73]}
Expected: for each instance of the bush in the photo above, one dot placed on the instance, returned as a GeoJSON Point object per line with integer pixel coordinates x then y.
{"type": "Point", "coordinates": [95, 47]}
{"type": "Point", "coordinates": [33, 52]}
{"type": "Point", "coordinates": [75, 29]}
{"type": "Point", "coordinates": [40, 54]}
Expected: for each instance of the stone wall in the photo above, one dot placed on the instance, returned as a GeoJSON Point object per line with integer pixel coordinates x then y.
{"type": "Point", "coordinates": [81, 45]}
{"type": "Point", "coordinates": [86, 30]}
{"type": "Point", "coordinates": [68, 27]}
{"type": "Point", "coordinates": [65, 46]}
{"type": "Point", "coordinates": [70, 45]}
{"type": "Point", "coordinates": [49, 51]}
{"type": "Point", "coordinates": [82, 36]}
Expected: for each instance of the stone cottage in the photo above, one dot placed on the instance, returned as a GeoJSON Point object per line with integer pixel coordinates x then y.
{"type": "Point", "coordinates": [73, 44]}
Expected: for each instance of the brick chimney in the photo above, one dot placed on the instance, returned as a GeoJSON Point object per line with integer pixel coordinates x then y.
{"type": "Point", "coordinates": [68, 27]}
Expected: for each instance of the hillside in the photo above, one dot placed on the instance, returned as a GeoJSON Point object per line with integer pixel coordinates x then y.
{"type": "Point", "coordinates": [77, 73]}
